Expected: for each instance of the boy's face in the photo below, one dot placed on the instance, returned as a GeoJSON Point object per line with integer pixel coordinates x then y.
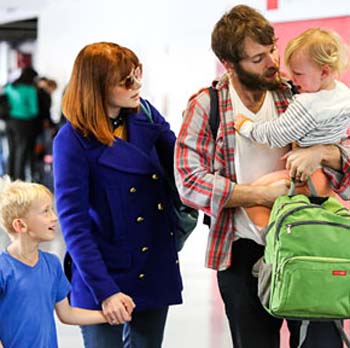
{"type": "Point", "coordinates": [305, 74]}
{"type": "Point", "coordinates": [41, 220]}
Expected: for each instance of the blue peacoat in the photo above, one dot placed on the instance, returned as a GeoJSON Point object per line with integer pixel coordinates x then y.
{"type": "Point", "coordinates": [116, 214]}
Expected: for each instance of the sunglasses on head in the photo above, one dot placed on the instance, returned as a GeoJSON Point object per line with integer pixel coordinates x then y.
{"type": "Point", "coordinates": [134, 77]}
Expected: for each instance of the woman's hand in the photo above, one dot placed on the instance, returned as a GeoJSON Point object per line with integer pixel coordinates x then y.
{"type": "Point", "coordinates": [118, 308]}
{"type": "Point", "coordinates": [302, 162]}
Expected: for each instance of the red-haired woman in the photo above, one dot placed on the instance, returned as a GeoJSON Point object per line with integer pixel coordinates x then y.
{"type": "Point", "coordinates": [112, 199]}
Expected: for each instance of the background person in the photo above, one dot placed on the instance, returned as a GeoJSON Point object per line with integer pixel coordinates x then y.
{"type": "Point", "coordinates": [21, 125]}
{"type": "Point", "coordinates": [113, 202]}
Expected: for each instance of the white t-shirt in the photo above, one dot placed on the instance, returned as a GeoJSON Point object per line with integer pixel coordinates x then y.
{"type": "Point", "coordinates": [253, 160]}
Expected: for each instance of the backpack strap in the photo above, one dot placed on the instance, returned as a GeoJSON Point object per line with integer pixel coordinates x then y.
{"type": "Point", "coordinates": [339, 326]}
{"type": "Point", "coordinates": [303, 332]}
{"type": "Point", "coordinates": [312, 188]}
{"type": "Point", "coordinates": [214, 118]}
{"type": "Point", "coordinates": [214, 122]}
{"type": "Point", "coordinates": [146, 110]}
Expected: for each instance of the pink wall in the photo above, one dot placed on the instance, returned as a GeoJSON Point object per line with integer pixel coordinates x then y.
{"type": "Point", "coordinates": [287, 30]}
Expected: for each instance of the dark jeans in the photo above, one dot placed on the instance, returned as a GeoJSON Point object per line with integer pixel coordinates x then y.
{"type": "Point", "coordinates": [144, 331]}
{"type": "Point", "coordinates": [21, 135]}
{"type": "Point", "coordinates": [250, 325]}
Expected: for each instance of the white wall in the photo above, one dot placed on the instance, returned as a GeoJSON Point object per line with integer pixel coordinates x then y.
{"type": "Point", "coordinates": [172, 39]}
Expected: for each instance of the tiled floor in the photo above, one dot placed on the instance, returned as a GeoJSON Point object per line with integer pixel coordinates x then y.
{"type": "Point", "coordinates": [198, 323]}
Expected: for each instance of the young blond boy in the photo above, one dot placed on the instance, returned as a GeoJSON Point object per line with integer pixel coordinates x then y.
{"type": "Point", "coordinates": [32, 283]}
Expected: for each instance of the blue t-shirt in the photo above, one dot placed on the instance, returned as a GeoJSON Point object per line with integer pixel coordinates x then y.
{"type": "Point", "coordinates": [27, 299]}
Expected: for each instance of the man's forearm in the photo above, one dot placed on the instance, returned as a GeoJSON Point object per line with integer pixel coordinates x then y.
{"type": "Point", "coordinates": [249, 195]}
{"type": "Point", "coordinates": [331, 157]}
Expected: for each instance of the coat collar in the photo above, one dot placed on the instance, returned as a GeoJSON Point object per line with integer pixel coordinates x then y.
{"type": "Point", "coordinates": [135, 155]}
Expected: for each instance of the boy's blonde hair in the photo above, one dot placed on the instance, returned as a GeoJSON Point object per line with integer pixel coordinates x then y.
{"type": "Point", "coordinates": [16, 199]}
{"type": "Point", "coordinates": [324, 47]}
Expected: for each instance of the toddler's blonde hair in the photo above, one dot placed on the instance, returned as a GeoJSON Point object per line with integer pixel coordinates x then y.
{"type": "Point", "coordinates": [324, 47]}
{"type": "Point", "coordinates": [16, 198]}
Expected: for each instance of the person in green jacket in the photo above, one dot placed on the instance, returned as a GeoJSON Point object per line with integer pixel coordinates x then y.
{"type": "Point", "coordinates": [21, 126]}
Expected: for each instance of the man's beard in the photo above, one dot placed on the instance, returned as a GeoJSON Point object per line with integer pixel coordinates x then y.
{"type": "Point", "coordinates": [257, 82]}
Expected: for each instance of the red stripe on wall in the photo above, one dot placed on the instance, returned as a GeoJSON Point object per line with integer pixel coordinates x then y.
{"type": "Point", "coordinates": [272, 4]}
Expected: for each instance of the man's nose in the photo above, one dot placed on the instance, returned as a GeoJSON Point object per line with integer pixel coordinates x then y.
{"type": "Point", "coordinates": [272, 59]}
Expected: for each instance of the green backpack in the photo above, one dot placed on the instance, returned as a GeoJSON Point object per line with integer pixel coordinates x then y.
{"type": "Point", "coordinates": [306, 268]}
{"type": "Point", "coordinates": [305, 272]}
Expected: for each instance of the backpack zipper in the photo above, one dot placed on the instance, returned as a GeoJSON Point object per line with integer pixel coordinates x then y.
{"type": "Point", "coordinates": [307, 222]}
{"type": "Point", "coordinates": [284, 216]}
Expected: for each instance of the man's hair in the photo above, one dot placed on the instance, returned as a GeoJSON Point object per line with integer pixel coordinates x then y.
{"type": "Point", "coordinates": [16, 199]}
{"type": "Point", "coordinates": [98, 68]}
{"type": "Point", "coordinates": [227, 39]}
{"type": "Point", "coordinates": [324, 47]}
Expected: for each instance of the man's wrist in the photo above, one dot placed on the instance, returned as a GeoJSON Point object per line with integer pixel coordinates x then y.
{"type": "Point", "coordinates": [330, 156]}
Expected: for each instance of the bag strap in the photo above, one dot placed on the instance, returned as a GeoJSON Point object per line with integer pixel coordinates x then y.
{"type": "Point", "coordinates": [214, 119]}
{"type": "Point", "coordinates": [303, 332]}
{"type": "Point", "coordinates": [310, 184]}
{"type": "Point", "coordinates": [339, 326]}
{"type": "Point", "coordinates": [146, 110]}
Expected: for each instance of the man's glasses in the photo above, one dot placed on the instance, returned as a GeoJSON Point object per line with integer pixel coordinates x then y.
{"type": "Point", "coordinates": [134, 77]}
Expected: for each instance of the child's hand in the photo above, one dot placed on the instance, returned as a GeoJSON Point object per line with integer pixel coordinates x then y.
{"type": "Point", "coordinates": [239, 121]}
{"type": "Point", "coordinates": [118, 308]}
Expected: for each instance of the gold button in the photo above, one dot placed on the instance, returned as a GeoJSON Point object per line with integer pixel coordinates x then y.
{"type": "Point", "coordinates": [155, 177]}
{"type": "Point", "coordinates": [132, 189]}
{"type": "Point", "coordinates": [144, 249]}
{"type": "Point", "coordinates": [140, 219]}
{"type": "Point", "coordinates": [177, 262]}
{"type": "Point", "coordinates": [171, 233]}
{"type": "Point", "coordinates": [141, 275]}
{"type": "Point", "coordinates": [160, 206]}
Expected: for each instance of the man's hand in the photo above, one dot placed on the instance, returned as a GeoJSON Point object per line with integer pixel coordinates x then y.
{"type": "Point", "coordinates": [275, 190]}
{"type": "Point", "coordinates": [118, 308]}
{"type": "Point", "coordinates": [302, 162]}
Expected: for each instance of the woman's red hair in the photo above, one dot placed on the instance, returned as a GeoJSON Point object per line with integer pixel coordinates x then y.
{"type": "Point", "coordinates": [98, 68]}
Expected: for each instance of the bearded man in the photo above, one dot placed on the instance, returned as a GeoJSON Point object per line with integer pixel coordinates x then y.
{"type": "Point", "coordinates": [214, 175]}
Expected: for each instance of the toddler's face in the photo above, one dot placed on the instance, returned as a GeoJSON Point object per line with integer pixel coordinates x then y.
{"type": "Point", "coordinates": [305, 74]}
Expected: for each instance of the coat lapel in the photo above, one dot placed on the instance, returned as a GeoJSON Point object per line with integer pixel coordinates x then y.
{"type": "Point", "coordinates": [137, 155]}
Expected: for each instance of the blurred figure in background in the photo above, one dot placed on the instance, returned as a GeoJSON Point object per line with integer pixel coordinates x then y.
{"type": "Point", "coordinates": [45, 129]}
{"type": "Point", "coordinates": [21, 126]}
{"type": "Point", "coordinates": [46, 87]}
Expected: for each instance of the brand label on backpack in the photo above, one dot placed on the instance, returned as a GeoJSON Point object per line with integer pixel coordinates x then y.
{"type": "Point", "coordinates": [339, 273]}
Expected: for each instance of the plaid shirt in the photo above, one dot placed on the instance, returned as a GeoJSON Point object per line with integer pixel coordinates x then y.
{"type": "Point", "coordinates": [205, 168]}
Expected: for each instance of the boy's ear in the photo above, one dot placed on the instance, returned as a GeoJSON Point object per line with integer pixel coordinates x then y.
{"type": "Point", "coordinates": [19, 225]}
